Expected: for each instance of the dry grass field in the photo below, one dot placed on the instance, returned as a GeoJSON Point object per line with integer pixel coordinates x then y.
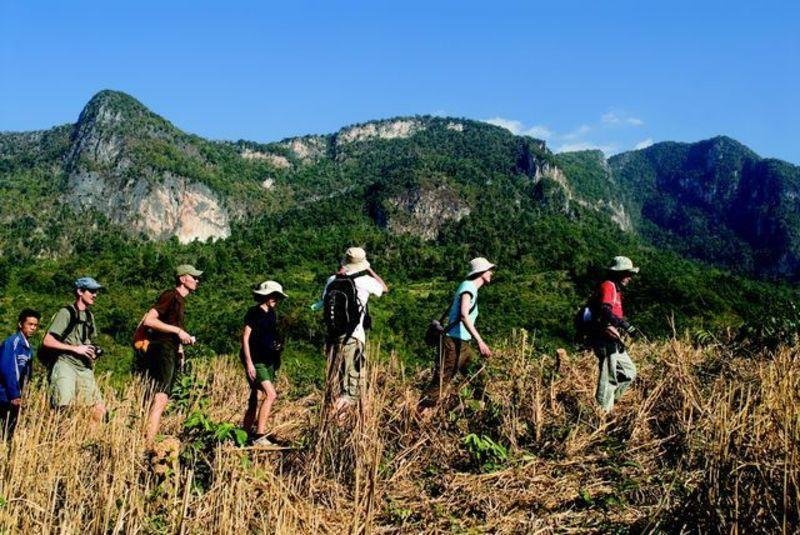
{"type": "Point", "coordinates": [706, 441]}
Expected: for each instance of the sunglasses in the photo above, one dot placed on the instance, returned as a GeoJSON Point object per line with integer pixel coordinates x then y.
{"type": "Point", "coordinates": [93, 292]}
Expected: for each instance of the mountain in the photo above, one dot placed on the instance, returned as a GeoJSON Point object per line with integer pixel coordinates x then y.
{"type": "Point", "coordinates": [717, 201]}
{"type": "Point", "coordinates": [124, 195]}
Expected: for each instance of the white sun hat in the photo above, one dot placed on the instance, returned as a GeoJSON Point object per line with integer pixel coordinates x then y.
{"type": "Point", "coordinates": [269, 287]}
{"type": "Point", "coordinates": [479, 265]}
{"type": "Point", "coordinates": [623, 263]}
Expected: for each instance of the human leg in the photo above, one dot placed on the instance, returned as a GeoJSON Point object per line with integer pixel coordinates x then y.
{"type": "Point", "coordinates": [161, 370]}
{"type": "Point", "coordinates": [354, 369]}
{"type": "Point", "coordinates": [606, 377]}
{"type": "Point", "coordinates": [625, 372]}
{"type": "Point", "coordinates": [265, 406]}
{"type": "Point", "coordinates": [444, 370]}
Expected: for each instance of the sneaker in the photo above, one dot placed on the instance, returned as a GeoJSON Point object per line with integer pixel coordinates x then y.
{"type": "Point", "coordinates": [263, 441]}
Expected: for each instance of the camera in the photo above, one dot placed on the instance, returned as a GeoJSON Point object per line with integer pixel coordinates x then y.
{"type": "Point", "coordinates": [98, 351]}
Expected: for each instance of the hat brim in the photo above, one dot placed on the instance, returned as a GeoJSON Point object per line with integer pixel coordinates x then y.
{"type": "Point", "coordinates": [267, 294]}
{"type": "Point", "coordinates": [481, 270]}
{"type": "Point", "coordinates": [624, 270]}
{"type": "Point", "coordinates": [356, 266]}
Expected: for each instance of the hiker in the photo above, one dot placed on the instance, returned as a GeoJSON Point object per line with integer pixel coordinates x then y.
{"type": "Point", "coordinates": [68, 346]}
{"type": "Point", "coordinates": [167, 336]}
{"type": "Point", "coordinates": [261, 357]}
{"type": "Point", "coordinates": [16, 365]}
{"type": "Point", "coordinates": [455, 351]}
{"type": "Point", "coordinates": [616, 370]}
{"type": "Point", "coordinates": [347, 320]}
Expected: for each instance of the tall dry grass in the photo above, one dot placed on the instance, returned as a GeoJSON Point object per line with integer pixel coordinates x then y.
{"type": "Point", "coordinates": [706, 441]}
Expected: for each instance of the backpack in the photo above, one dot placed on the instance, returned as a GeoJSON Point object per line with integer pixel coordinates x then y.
{"type": "Point", "coordinates": [436, 328]}
{"type": "Point", "coordinates": [341, 307]}
{"type": "Point", "coordinates": [48, 356]}
{"type": "Point", "coordinates": [141, 334]}
{"type": "Point", "coordinates": [587, 319]}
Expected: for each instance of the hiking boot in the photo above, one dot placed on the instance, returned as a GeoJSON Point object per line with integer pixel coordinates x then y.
{"type": "Point", "coordinates": [263, 441]}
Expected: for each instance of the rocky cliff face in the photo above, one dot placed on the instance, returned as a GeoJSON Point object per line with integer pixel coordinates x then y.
{"type": "Point", "coordinates": [103, 175]}
{"type": "Point", "coordinates": [422, 211]}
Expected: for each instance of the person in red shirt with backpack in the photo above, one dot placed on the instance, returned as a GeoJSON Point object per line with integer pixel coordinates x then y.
{"type": "Point", "coordinates": [616, 370]}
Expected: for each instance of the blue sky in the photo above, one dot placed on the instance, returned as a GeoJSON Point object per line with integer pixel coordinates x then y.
{"type": "Point", "coordinates": [613, 75]}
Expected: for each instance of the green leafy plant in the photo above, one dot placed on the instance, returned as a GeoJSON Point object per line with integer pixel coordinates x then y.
{"type": "Point", "coordinates": [485, 452]}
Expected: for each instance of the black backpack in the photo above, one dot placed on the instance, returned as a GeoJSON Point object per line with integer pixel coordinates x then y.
{"type": "Point", "coordinates": [49, 356]}
{"type": "Point", "coordinates": [341, 307]}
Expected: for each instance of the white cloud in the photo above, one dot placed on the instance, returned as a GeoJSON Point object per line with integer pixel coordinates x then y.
{"type": "Point", "coordinates": [643, 144]}
{"type": "Point", "coordinates": [515, 127]}
{"type": "Point", "coordinates": [519, 129]}
{"type": "Point", "coordinates": [635, 121]}
{"type": "Point", "coordinates": [538, 131]}
{"type": "Point", "coordinates": [607, 149]}
{"type": "Point", "coordinates": [610, 118]}
{"type": "Point", "coordinates": [581, 131]}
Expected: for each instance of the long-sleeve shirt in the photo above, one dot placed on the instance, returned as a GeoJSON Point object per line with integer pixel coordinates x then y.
{"type": "Point", "coordinates": [16, 363]}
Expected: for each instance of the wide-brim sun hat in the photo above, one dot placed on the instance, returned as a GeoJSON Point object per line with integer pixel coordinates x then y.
{"type": "Point", "coordinates": [623, 263]}
{"type": "Point", "coordinates": [479, 265]}
{"type": "Point", "coordinates": [268, 288]}
{"type": "Point", "coordinates": [355, 259]}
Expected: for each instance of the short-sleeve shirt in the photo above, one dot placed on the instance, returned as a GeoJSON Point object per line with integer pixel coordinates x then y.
{"type": "Point", "coordinates": [366, 285]}
{"type": "Point", "coordinates": [263, 334]}
{"type": "Point", "coordinates": [82, 334]}
{"type": "Point", "coordinates": [171, 307]}
{"type": "Point", "coordinates": [610, 295]}
{"type": "Point", "coordinates": [460, 332]}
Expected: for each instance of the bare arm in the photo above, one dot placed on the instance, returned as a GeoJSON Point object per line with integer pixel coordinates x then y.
{"type": "Point", "coordinates": [51, 342]}
{"type": "Point", "coordinates": [151, 321]}
{"type": "Point", "coordinates": [379, 279]}
{"type": "Point", "coordinates": [246, 356]}
{"type": "Point", "coordinates": [466, 304]}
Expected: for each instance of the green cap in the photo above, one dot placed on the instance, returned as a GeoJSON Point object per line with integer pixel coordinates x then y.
{"type": "Point", "coordinates": [187, 269]}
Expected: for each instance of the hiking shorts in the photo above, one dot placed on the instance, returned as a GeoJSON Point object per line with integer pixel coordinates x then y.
{"type": "Point", "coordinates": [72, 383]}
{"type": "Point", "coordinates": [265, 371]}
{"type": "Point", "coordinates": [161, 365]}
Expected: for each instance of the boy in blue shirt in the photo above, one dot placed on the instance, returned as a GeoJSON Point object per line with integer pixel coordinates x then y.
{"type": "Point", "coordinates": [16, 362]}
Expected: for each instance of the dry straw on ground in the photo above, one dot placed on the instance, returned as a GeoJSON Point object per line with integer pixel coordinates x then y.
{"type": "Point", "coordinates": [706, 441]}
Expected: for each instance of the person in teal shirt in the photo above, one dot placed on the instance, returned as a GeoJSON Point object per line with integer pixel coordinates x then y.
{"type": "Point", "coordinates": [455, 349]}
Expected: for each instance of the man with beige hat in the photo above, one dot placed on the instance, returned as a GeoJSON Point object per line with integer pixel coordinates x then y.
{"type": "Point", "coordinates": [345, 309]}
{"type": "Point", "coordinates": [167, 336]}
{"type": "Point", "coordinates": [455, 352]}
{"type": "Point", "coordinates": [616, 370]}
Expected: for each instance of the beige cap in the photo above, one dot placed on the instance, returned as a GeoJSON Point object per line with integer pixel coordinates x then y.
{"type": "Point", "coordinates": [479, 265]}
{"type": "Point", "coordinates": [187, 269]}
{"type": "Point", "coordinates": [623, 263]}
{"type": "Point", "coordinates": [355, 259]}
{"type": "Point", "coordinates": [269, 287]}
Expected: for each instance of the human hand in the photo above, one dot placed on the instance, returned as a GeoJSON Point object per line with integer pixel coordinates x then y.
{"type": "Point", "coordinates": [485, 351]}
{"type": "Point", "coordinates": [185, 338]}
{"type": "Point", "coordinates": [17, 402]}
{"type": "Point", "coordinates": [84, 350]}
{"type": "Point", "coordinates": [612, 332]}
{"type": "Point", "coordinates": [251, 371]}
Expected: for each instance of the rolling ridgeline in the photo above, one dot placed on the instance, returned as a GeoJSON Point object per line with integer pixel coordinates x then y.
{"type": "Point", "coordinates": [124, 196]}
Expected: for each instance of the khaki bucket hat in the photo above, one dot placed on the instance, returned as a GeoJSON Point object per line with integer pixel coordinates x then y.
{"type": "Point", "coordinates": [268, 288]}
{"type": "Point", "coordinates": [355, 259]}
{"type": "Point", "coordinates": [623, 263]}
{"type": "Point", "coordinates": [479, 265]}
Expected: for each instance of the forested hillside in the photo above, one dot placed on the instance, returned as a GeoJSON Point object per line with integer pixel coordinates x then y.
{"type": "Point", "coordinates": [123, 195]}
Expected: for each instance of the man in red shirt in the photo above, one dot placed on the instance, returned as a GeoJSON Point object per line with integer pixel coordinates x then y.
{"type": "Point", "coordinates": [616, 370]}
{"type": "Point", "coordinates": [167, 337]}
